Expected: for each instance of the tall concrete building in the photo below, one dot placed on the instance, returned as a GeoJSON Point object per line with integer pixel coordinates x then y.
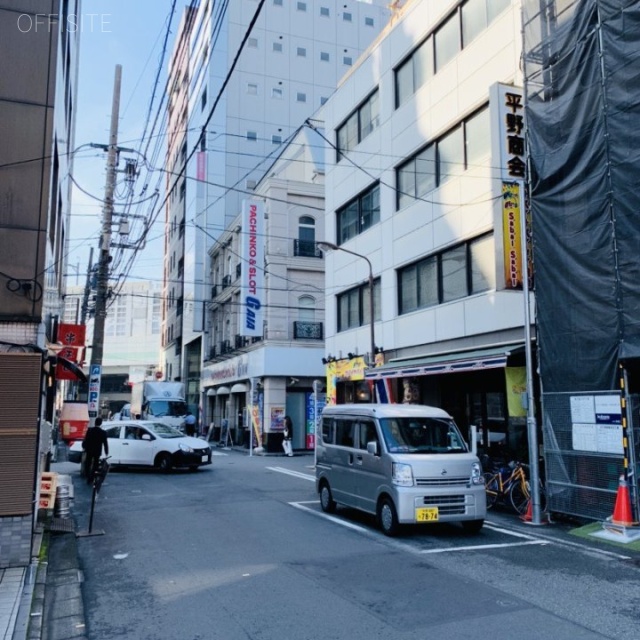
{"type": "Point", "coordinates": [256, 71]}
{"type": "Point", "coordinates": [37, 107]}
{"type": "Point", "coordinates": [427, 137]}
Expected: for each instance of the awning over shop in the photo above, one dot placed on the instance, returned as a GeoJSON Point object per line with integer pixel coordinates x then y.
{"type": "Point", "coordinates": [489, 358]}
{"type": "Point", "coordinates": [222, 391]}
{"type": "Point", "coordinates": [211, 392]}
{"type": "Point", "coordinates": [238, 387]}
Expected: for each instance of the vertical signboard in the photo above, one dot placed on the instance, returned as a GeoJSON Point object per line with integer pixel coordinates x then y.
{"type": "Point", "coordinates": [252, 269]}
{"type": "Point", "coordinates": [72, 336]}
{"type": "Point", "coordinates": [95, 374]}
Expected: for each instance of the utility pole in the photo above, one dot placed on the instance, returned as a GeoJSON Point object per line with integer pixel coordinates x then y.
{"type": "Point", "coordinates": [84, 309]}
{"type": "Point", "coordinates": [104, 259]}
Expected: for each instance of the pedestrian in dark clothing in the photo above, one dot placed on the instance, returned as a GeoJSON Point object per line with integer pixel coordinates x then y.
{"type": "Point", "coordinates": [94, 441]}
{"type": "Point", "coordinates": [288, 436]}
{"type": "Point", "coordinates": [190, 424]}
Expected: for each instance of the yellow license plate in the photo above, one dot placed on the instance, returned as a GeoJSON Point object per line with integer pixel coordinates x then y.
{"type": "Point", "coordinates": [427, 514]}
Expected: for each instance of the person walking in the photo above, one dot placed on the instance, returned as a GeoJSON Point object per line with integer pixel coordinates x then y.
{"type": "Point", "coordinates": [95, 440]}
{"type": "Point", "coordinates": [190, 424]}
{"type": "Point", "coordinates": [288, 436]}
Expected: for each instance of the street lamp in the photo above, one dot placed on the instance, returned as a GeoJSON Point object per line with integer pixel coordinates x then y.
{"type": "Point", "coordinates": [324, 246]}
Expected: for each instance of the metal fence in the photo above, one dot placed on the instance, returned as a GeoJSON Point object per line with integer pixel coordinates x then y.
{"type": "Point", "coordinates": [583, 456]}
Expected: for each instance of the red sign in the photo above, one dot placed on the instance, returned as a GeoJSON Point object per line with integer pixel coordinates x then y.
{"type": "Point", "coordinates": [72, 337]}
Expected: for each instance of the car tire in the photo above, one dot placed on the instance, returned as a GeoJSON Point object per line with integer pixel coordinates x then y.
{"type": "Point", "coordinates": [163, 462]}
{"type": "Point", "coordinates": [327, 503]}
{"type": "Point", "coordinates": [388, 517]}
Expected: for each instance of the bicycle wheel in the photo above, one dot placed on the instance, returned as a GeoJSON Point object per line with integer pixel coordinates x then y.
{"type": "Point", "coordinates": [519, 496]}
{"type": "Point", "coordinates": [491, 487]}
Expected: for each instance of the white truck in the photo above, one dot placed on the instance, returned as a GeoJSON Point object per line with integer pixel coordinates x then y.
{"type": "Point", "coordinates": [160, 401]}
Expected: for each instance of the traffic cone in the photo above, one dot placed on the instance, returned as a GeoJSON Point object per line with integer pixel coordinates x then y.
{"type": "Point", "coordinates": [622, 511]}
{"type": "Point", "coordinates": [528, 516]}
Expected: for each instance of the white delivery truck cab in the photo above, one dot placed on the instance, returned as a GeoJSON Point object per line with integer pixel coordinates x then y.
{"type": "Point", "coordinates": [404, 463]}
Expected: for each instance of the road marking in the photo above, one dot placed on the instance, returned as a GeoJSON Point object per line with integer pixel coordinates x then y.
{"type": "Point", "coordinates": [509, 532]}
{"type": "Point", "coordinates": [295, 474]}
{"type": "Point", "coordinates": [481, 547]}
{"type": "Point", "coordinates": [218, 453]}
{"type": "Point", "coordinates": [326, 516]}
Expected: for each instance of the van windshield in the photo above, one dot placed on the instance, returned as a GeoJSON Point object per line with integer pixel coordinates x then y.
{"type": "Point", "coordinates": [162, 408]}
{"type": "Point", "coordinates": [422, 435]}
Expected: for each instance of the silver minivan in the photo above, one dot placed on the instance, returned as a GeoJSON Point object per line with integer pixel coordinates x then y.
{"type": "Point", "coordinates": [404, 463]}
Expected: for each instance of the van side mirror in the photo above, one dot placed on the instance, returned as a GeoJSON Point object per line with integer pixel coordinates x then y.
{"type": "Point", "coordinates": [372, 447]}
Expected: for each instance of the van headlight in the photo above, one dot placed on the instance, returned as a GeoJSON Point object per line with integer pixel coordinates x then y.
{"type": "Point", "coordinates": [401, 474]}
{"type": "Point", "coordinates": [185, 448]}
{"type": "Point", "coordinates": [476, 474]}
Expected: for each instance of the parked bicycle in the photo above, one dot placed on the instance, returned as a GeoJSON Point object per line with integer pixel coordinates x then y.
{"type": "Point", "coordinates": [510, 486]}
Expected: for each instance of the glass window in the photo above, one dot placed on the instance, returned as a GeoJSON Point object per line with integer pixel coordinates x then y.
{"type": "Point", "coordinates": [324, 56]}
{"type": "Point", "coordinates": [344, 432]}
{"type": "Point", "coordinates": [306, 309]}
{"type": "Point", "coordinates": [301, 97]}
{"type": "Point", "coordinates": [302, 52]}
{"type": "Point", "coordinates": [302, 6]}
{"type": "Point", "coordinates": [477, 137]}
{"type": "Point", "coordinates": [408, 289]}
{"type": "Point", "coordinates": [252, 135]}
{"type": "Point", "coordinates": [404, 82]}
{"type": "Point", "coordinates": [252, 89]}
{"type": "Point", "coordinates": [368, 22]}
{"type": "Point", "coordinates": [370, 209]}
{"type": "Point", "coordinates": [450, 155]}
{"type": "Point", "coordinates": [369, 116]}
{"type": "Point", "coordinates": [367, 434]}
{"type": "Point", "coordinates": [276, 93]}
{"type": "Point", "coordinates": [447, 41]}
{"type": "Point", "coordinates": [347, 17]}
{"type": "Point", "coordinates": [277, 46]}
{"type": "Point", "coordinates": [327, 430]}
{"type": "Point", "coordinates": [428, 282]}
{"type": "Point", "coordinates": [406, 179]}
{"type": "Point", "coordinates": [276, 139]}
{"type": "Point", "coordinates": [483, 271]}
{"type": "Point", "coordinates": [348, 222]}
{"type": "Point", "coordinates": [324, 11]}
{"type": "Point", "coordinates": [495, 8]}
{"type": "Point", "coordinates": [423, 63]}
{"type": "Point", "coordinates": [366, 305]}
{"type": "Point", "coordinates": [474, 20]}
{"type": "Point", "coordinates": [354, 306]}
{"type": "Point", "coordinates": [278, 3]}
{"type": "Point", "coordinates": [358, 215]}
{"type": "Point", "coordinates": [252, 42]}
{"type": "Point", "coordinates": [425, 167]}
{"type": "Point", "coordinates": [454, 273]}
{"type": "Point", "coordinates": [348, 60]}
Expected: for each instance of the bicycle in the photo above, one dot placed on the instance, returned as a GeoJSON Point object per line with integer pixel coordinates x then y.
{"type": "Point", "coordinates": [511, 484]}
{"type": "Point", "coordinates": [101, 473]}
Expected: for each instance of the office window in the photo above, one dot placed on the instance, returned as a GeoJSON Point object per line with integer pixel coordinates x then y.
{"type": "Point", "coordinates": [252, 89]}
{"type": "Point", "coordinates": [414, 72]}
{"type": "Point", "coordinates": [358, 215]}
{"type": "Point", "coordinates": [477, 137]}
{"type": "Point", "coordinates": [301, 52]}
{"type": "Point", "coordinates": [301, 6]}
{"type": "Point", "coordinates": [368, 22]}
{"type": "Point", "coordinates": [301, 97]}
{"type": "Point", "coordinates": [450, 155]}
{"type": "Point", "coordinates": [252, 43]}
{"type": "Point", "coordinates": [454, 273]}
{"type": "Point", "coordinates": [203, 99]}
{"type": "Point", "coordinates": [324, 56]}
{"type": "Point", "coordinates": [277, 3]}
{"type": "Point", "coordinates": [354, 306]}
{"type": "Point", "coordinates": [276, 93]}
{"type": "Point", "coordinates": [348, 60]}
{"type": "Point", "coordinates": [324, 11]}
{"type": "Point", "coordinates": [323, 100]}
{"type": "Point", "coordinates": [277, 47]}
{"type": "Point", "coordinates": [447, 41]}
{"type": "Point", "coordinates": [276, 139]}
{"type": "Point", "coordinates": [347, 17]}
{"type": "Point", "coordinates": [252, 135]}
{"type": "Point", "coordinates": [358, 125]}
{"type": "Point", "coordinates": [474, 19]}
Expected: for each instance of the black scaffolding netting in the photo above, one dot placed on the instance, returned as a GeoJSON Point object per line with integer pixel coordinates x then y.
{"type": "Point", "coordinates": [582, 88]}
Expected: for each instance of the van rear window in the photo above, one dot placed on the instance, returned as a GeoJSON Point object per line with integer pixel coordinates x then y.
{"type": "Point", "coordinates": [422, 435]}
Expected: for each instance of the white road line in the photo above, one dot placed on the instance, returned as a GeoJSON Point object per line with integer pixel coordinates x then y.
{"type": "Point", "coordinates": [481, 547]}
{"type": "Point", "coordinates": [509, 532]}
{"type": "Point", "coordinates": [295, 474]}
{"type": "Point", "coordinates": [320, 514]}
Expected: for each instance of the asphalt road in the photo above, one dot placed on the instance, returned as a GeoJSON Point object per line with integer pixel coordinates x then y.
{"type": "Point", "coordinates": [241, 550]}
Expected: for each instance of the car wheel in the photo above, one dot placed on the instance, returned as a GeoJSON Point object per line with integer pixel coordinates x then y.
{"type": "Point", "coordinates": [472, 526]}
{"type": "Point", "coordinates": [388, 518]}
{"type": "Point", "coordinates": [163, 462]}
{"type": "Point", "coordinates": [327, 502]}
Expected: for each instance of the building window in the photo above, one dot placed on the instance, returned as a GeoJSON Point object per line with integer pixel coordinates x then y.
{"type": "Point", "coordinates": [277, 47]}
{"type": "Point", "coordinates": [323, 100]}
{"type": "Point", "coordinates": [276, 93]}
{"type": "Point", "coordinates": [301, 6]}
{"type": "Point", "coordinates": [252, 89]}
{"type": "Point", "coordinates": [301, 97]}
{"type": "Point", "coordinates": [358, 125]}
{"type": "Point", "coordinates": [324, 56]}
{"type": "Point", "coordinates": [359, 215]}
{"type": "Point", "coordinates": [306, 309]}
{"type": "Point", "coordinates": [276, 139]}
{"type": "Point", "coordinates": [252, 135]}
{"type": "Point", "coordinates": [455, 273]}
{"type": "Point", "coordinates": [348, 60]}
{"type": "Point", "coordinates": [447, 41]}
{"type": "Point", "coordinates": [457, 150]}
{"type": "Point", "coordinates": [354, 306]}
{"type": "Point", "coordinates": [252, 43]}
{"type": "Point", "coordinates": [477, 15]}
{"type": "Point", "coordinates": [368, 22]}
{"type": "Point", "coordinates": [324, 11]}
{"type": "Point", "coordinates": [277, 3]}
{"type": "Point", "coordinates": [203, 99]}
{"type": "Point", "coordinates": [301, 52]}
{"type": "Point", "coordinates": [347, 17]}
{"type": "Point", "coordinates": [414, 72]}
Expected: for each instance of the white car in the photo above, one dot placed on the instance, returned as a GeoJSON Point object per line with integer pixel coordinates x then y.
{"type": "Point", "coordinates": [148, 443]}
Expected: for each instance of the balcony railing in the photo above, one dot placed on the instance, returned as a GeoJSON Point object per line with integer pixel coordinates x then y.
{"type": "Point", "coordinates": [306, 249]}
{"type": "Point", "coordinates": [307, 330]}
{"type": "Point", "coordinates": [241, 341]}
{"type": "Point", "coordinates": [225, 347]}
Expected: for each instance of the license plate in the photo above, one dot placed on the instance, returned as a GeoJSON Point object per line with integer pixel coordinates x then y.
{"type": "Point", "coordinates": [427, 514]}
{"type": "Point", "coordinates": [205, 458]}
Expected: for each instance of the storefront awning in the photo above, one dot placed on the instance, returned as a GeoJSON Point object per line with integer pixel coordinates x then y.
{"type": "Point", "coordinates": [489, 358]}
{"type": "Point", "coordinates": [238, 387]}
{"type": "Point", "coordinates": [222, 391]}
{"type": "Point", "coordinates": [211, 392]}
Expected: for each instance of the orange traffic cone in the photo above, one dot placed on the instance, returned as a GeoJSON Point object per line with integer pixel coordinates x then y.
{"type": "Point", "coordinates": [528, 516]}
{"type": "Point", "coordinates": [622, 511]}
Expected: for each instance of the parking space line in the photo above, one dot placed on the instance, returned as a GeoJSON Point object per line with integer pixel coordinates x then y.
{"type": "Point", "coordinates": [295, 474]}
{"type": "Point", "coordinates": [482, 547]}
{"type": "Point", "coordinates": [320, 514]}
